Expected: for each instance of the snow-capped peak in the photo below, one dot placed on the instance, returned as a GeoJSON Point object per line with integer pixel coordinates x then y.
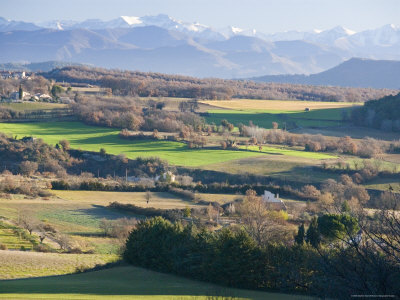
{"type": "Point", "coordinates": [236, 30]}
{"type": "Point", "coordinates": [131, 20]}
{"type": "Point", "coordinates": [59, 26]}
{"type": "Point", "coordinates": [341, 30]}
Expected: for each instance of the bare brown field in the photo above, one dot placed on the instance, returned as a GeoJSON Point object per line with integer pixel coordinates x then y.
{"type": "Point", "coordinates": [158, 200]}
{"type": "Point", "coordinates": [279, 105]}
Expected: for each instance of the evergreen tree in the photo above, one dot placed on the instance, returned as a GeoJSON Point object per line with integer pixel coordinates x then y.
{"type": "Point", "coordinates": [20, 92]}
{"type": "Point", "coordinates": [299, 238]}
{"type": "Point", "coordinates": [345, 207]}
{"type": "Point", "coordinates": [313, 236]}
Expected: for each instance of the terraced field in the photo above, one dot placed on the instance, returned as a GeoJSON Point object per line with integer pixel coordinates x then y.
{"type": "Point", "coordinates": [12, 241]}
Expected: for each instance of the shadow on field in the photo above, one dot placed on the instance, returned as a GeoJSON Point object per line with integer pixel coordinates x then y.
{"type": "Point", "coordinates": [100, 212]}
{"type": "Point", "coordinates": [305, 175]}
{"type": "Point", "coordinates": [127, 280]}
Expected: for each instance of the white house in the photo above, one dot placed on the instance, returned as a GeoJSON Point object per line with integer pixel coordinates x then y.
{"type": "Point", "coordinates": [272, 201]}
{"type": "Point", "coordinates": [41, 96]}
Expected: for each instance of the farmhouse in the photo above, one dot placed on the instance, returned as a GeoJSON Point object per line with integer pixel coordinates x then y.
{"type": "Point", "coordinates": [41, 96]}
{"type": "Point", "coordinates": [272, 201]}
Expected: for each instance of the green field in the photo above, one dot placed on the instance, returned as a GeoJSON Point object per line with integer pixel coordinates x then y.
{"type": "Point", "coordinates": [125, 282]}
{"type": "Point", "coordinates": [92, 138]}
{"type": "Point", "coordinates": [21, 264]}
{"type": "Point", "coordinates": [287, 113]}
{"type": "Point", "coordinates": [285, 118]}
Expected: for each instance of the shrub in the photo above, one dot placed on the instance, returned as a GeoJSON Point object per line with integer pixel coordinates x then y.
{"type": "Point", "coordinates": [60, 185]}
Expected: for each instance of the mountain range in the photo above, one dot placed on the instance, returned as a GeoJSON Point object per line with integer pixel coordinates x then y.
{"type": "Point", "coordinates": [163, 44]}
{"type": "Point", "coordinates": [355, 72]}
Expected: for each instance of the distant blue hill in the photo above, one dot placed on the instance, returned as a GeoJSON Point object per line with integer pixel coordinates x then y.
{"type": "Point", "coordinates": [355, 72]}
{"type": "Point", "coordinates": [36, 67]}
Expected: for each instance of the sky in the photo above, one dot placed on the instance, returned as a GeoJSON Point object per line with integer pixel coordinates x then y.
{"type": "Point", "coordinates": [264, 15]}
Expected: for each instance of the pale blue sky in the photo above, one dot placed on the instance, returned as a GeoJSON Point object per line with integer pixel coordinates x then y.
{"type": "Point", "coordinates": [264, 15]}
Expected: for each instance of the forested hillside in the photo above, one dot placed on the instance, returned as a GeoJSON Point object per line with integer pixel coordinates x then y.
{"type": "Point", "coordinates": [143, 84]}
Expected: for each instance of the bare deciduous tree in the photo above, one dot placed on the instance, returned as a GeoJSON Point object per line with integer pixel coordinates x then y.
{"type": "Point", "coordinates": [27, 221]}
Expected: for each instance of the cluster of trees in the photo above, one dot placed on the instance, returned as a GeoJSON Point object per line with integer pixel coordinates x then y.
{"type": "Point", "coordinates": [132, 135]}
{"type": "Point", "coordinates": [382, 114]}
{"type": "Point", "coordinates": [367, 147]}
{"type": "Point", "coordinates": [344, 251]}
{"type": "Point", "coordinates": [361, 171]}
{"type": "Point", "coordinates": [143, 84]}
{"type": "Point", "coordinates": [14, 184]}
{"type": "Point", "coordinates": [169, 214]}
{"type": "Point", "coordinates": [127, 113]}
{"type": "Point", "coordinates": [120, 113]}
{"type": "Point", "coordinates": [27, 156]}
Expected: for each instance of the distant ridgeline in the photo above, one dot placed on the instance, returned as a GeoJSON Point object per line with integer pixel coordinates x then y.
{"type": "Point", "coordinates": [383, 113]}
{"type": "Point", "coordinates": [355, 72]}
{"type": "Point", "coordinates": [36, 67]}
{"type": "Point", "coordinates": [129, 83]}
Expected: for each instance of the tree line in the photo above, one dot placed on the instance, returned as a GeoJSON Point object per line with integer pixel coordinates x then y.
{"type": "Point", "coordinates": [128, 113]}
{"type": "Point", "coordinates": [232, 257]}
{"type": "Point", "coordinates": [366, 147]}
{"type": "Point", "coordinates": [382, 113]}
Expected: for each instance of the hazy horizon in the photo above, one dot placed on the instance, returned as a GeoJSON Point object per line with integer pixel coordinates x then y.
{"type": "Point", "coordinates": [265, 16]}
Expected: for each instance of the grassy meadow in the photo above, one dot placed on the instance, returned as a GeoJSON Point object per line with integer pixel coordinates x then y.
{"type": "Point", "coordinates": [92, 138]}
{"type": "Point", "coordinates": [285, 119]}
{"type": "Point", "coordinates": [288, 114]}
{"type": "Point", "coordinates": [24, 264]}
{"type": "Point", "coordinates": [290, 168]}
{"type": "Point", "coordinates": [29, 106]}
{"type": "Point", "coordinates": [78, 214]}
{"type": "Point", "coordinates": [125, 282]}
